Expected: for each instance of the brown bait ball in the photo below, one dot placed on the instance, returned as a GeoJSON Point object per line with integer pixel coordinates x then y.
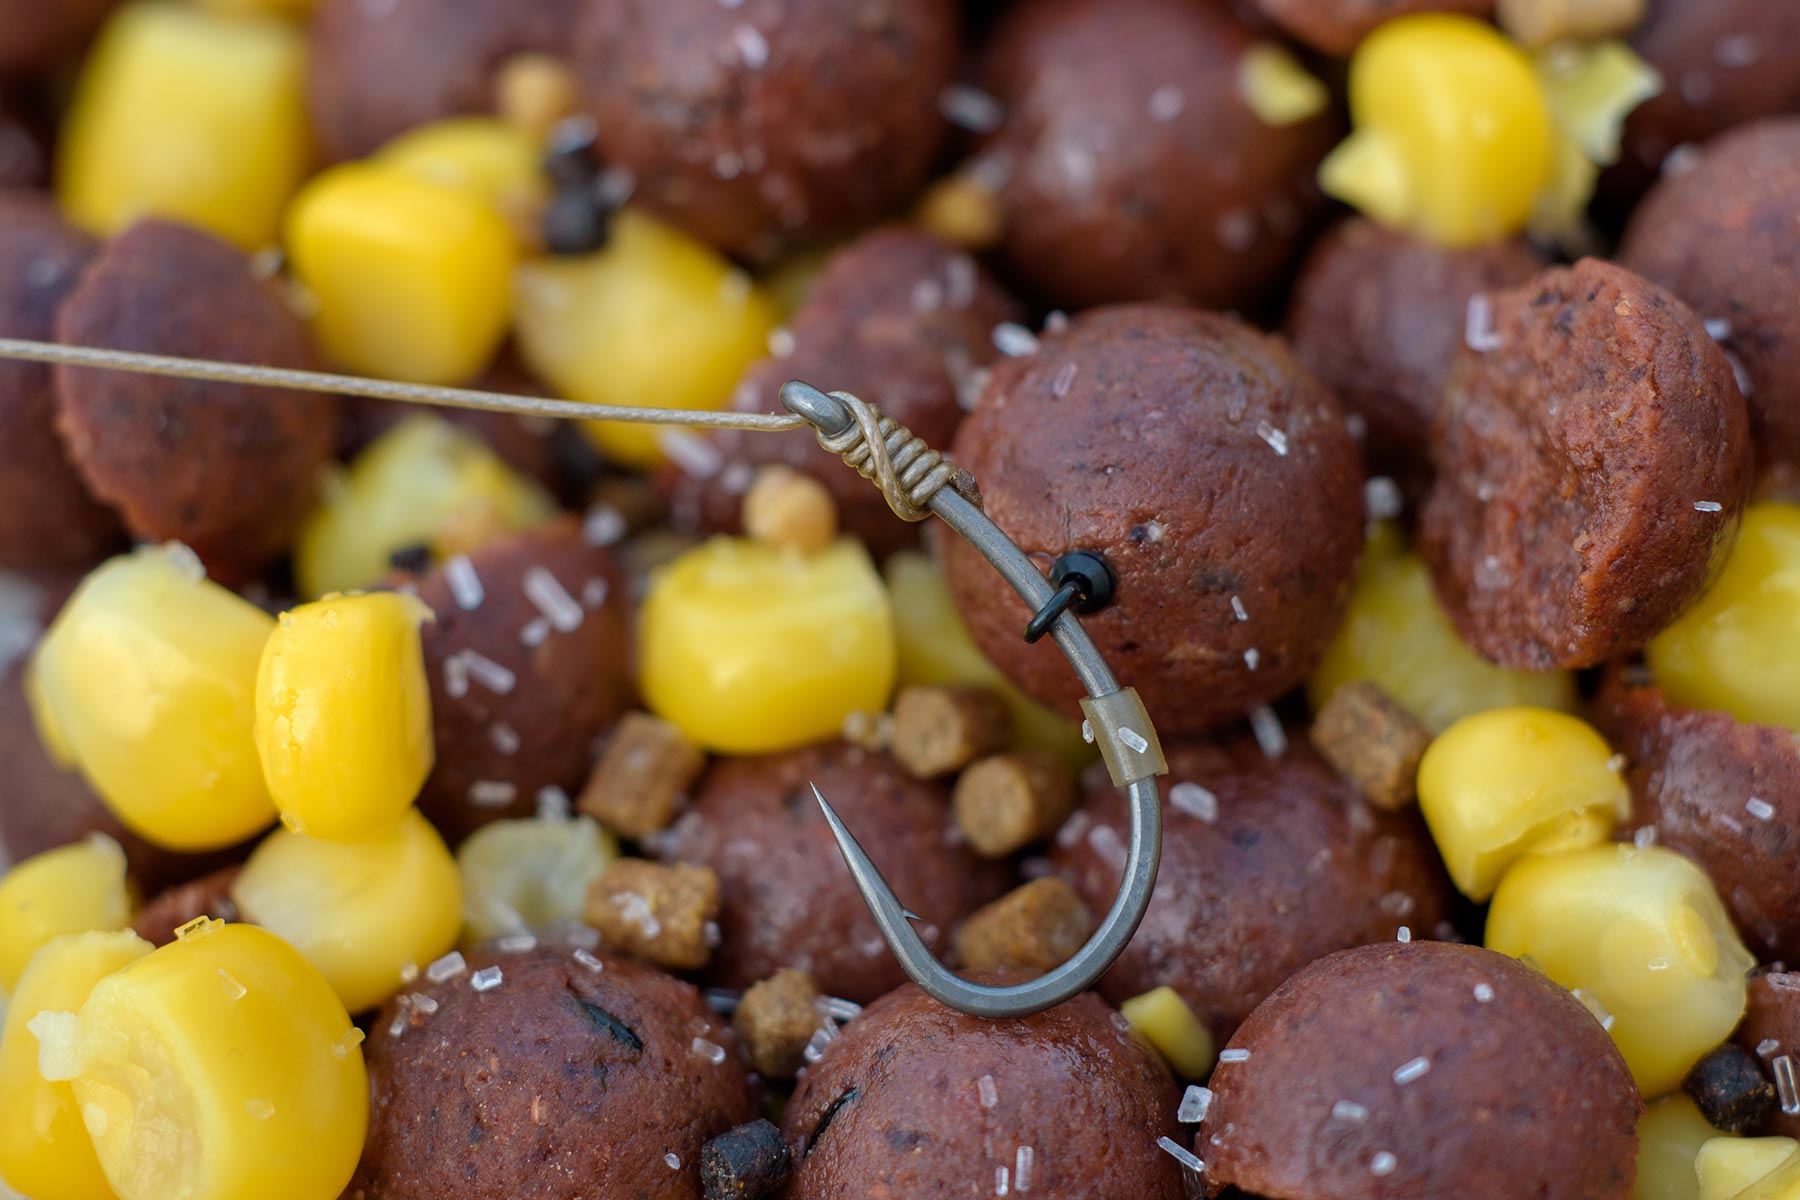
{"type": "Point", "coordinates": [604, 1074]}
{"type": "Point", "coordinates": [1771, 1031]}
{"type": "Point", "coordinates": [915, 1099]}
{"type": "Point", "coordinates": [1722, 237]}
{"type": "Point", "coordinates": [1421, 1069]}
{"type": "Point", "coordinates": [379, 69]}
{"type": "Point", "coordinates": [1378, 315]}
{"type": "Point", "coordinates": [1210, 472]}
{"type": "Point", "coordinates": [207, 896]}
{"type": "Point", "coordinates": [900, 319]}
{"type": "Point", "coordinates": [24, 150]}
{"type": "Point", "coordinates": [47, 517]}
{"type": "Point", "coordinates": [786, 897]}
{"type": "Point", "coordinates": [1335, 27]}
{"type": "Point", "coordinates": [529, 662]}
{"type": "Point", "coordinates": [33, 32]}
{"type": "Point", "coordinates": [230, 470]}
{"type": "Point", "coordinates": [1134, 169]}
{"type": "Point", "coordinates": [1592, 458]}
{"type": "Point", "coordinates": [1239, 831]}
{"type": "Point", "coordinates": [768, 122]}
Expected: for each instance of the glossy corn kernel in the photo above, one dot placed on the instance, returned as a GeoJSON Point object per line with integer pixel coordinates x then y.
{"type": "Point", "coordinates": [1510, 781]}
{"type": "Point", "coordinates": [530, 876]}
{"type": "Point", "coordinates": [412, 280]}
{"type": "Point", "coordinates": [423, 483]}
{"type": "Point", "coordinates": [343, 714]}
{"type": "Point", "coordinates": [71, 889]}
{"type": "Point", "coordinates": [1277, 88]}
{"type": "Point", "coordinates": [653, 317]}
{"type": "Point", "coordinates": [1730, 1168]}
{"type": "Point", "coordinates": [149, 677]}
{"type": "Point", "coordinates": [1453, 139]}
{"type": "Point", "coordinates": [1670, 1135]}
{"type": "Point", "coordinates": [482, 157]}
{"type": "Point", "coordinates": [192, 115]}
{"type": "Point", "coordinates": [219, 1067]}
{"type": "Point", "coordinates": [1170, 1026]}
{"type": "Point", "coordinates": [1396, 634]}
{"type": "Point", "coordinates": [1590, 89]}
{"type": "Point", "coordinates": [934, 648]}
{"type": "Point", "coordinates": [747, 648]}
{"type": "Point", "coordinates": [360, 913]}
{"type": "Point", "coordinates": [45, 1150]}
{"type": "Point", "coordinates": [1738, 647]}
{"type": "Point", "coordinates": [1643, 936]}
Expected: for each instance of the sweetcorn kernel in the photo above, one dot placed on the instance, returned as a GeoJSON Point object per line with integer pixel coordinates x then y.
{"type": "Point", "coordinates": [1738, 647]}
{"type": "Point", "coordinates": [423, 483]}
{"type": "Point", "coordinates": [530, 876]}
{"type": "Point", "coordinates": [343, 714]}
{"type": "Point", "coordinates": [1669, 1137]}
{"type": "Point", "coordinates": [748, 648]}
{"type": "Point", "coordinates": [1510, 781]}
{"type": "Point", "coordinates": [1277, 88]}
{"type": "Point", "coordinates": [653, 317]}
{"type": "Point", "coordinates": [1170, 1026]}
{"type": "Point", "coordinates": [195, 116]}
{"type": "Point", "coordinates": [359, 913]}
{"type": "Point", "coordinates": [218, 1067]}
{"type": "Point", "coordinates": [1729, 1168]}
{"type": "Point", "coordinates": [1642, 933]}
{"type": "Point", "coordinates": [45, 1150]}
{"type": "Point", "coordinates": [71, 889]}
{"type": "Point", "coordinates": [483, 157]}
{"type": "Point", "coordinates": [149, 677]}
{"type": "Point", "coordinates": [1452, 136]}
{"type": "Point", "coordinates": [412, 279]}
{"type": "Point", "coordinates": [1396, 634]}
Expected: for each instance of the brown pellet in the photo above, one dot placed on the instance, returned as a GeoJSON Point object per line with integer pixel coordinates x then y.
{"type": "Point", "coordinates": [1008, 800]}
{"type": "Point", "coordinates": [750, 1162]}
{"type": "Point", "coordinates": [207, 896]}
{"type": "Point", "coordinates": [643, 776]}
{"type": "Point", "coordinates": [776, 1018]}
{"type": "Point", "coordinates": [663, 915]}
{"type": "Point", "coordinates": [1373, 742]}
{"type": "Point", "coordinates": [1037, 926]}
{"type": "Point", "coordinates": [938, 730]}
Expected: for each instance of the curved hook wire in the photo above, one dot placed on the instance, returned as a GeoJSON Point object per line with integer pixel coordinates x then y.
{"type": "Point", "coordinates": [829, 413]}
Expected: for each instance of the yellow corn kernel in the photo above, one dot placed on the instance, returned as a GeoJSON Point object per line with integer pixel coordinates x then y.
{"type": "Point", "coordinates": [532, 92]}
{"type": "Point", "coordinates": [359, 913]}
{"type": "Point", "coordinates": [964, 211]}
{"type": "Point", "coordinates": [50, 734]}
{"type": "Point", "coordinates": [1510, 781]}
{"type": "Point", "coordinates": [1670, 1135]}
{"type": "Point", "coordinates": [1535, 23]}
{"type": "Point", "coordinates": [218, 1067]}
{"type": "Point", "coordinates": [1396, 634]}
{"type": "Point", "coordinates": [149, 676]}
{"type": "Point", "coordinates": [343, 714]}
{"type": "Point", "coordinates": [423, 483]}
{"type": "Point", "coordinates": [483, 157]}
{"type": "Point", "coordinates": [1643, 935]}
{"type": "Point", "coordinates": [749, 648]}
{"type": "Point", "coordinates": [71, 889]}
{"type": "Point", "coordinates": [191, 115]}
{"type": "Point", "coordinates": [1738, 647]}
{"type": "Point", "coordinates": [1590, 89]}
{"type": "Point", "coordinates": [934, 647]}
{"type": "Point", "coordinates": [1277, 88]}
{"type": "Point", "coordinates": [45, 1150]}
{"type": "Point", "coordinates": [279, 8]}
{"type": "Point", "coordinates": [1170, 1026]}
{"type": "Point", "coordinates": [530, 876]}
{"type": "Point", "coordinates": [1733, 1168]}
{"type": "Point", "coordinates": [653, 317]}
{"type": "Point", "coordinates": [1452, 136]}
{"type": "Point", "coordinates": [412, 279]}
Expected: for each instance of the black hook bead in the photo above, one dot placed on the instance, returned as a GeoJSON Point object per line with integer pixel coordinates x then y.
{"type": "Point", "coordinates": [1083, 582]}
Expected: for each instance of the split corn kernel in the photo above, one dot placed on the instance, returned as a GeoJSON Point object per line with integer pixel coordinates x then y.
{"type": "Point", "coordinates": [530, 876]}
{"type": "Point", "coordinates": [343, 714]}
{"type": "Point", "coordinates": [1396, 634]}
{"type": "Point", "coordinates": [218, 1067]}
{"type": "Point", "coordinates": [1277, 88]}
{"type": "Point", "coordinates": [1508, 782]}
{"type": "Point", "coordinates": [1591, 89]}
{"type": "Point", "coordinates": [934, 648]}
{"type": "Point", "coordinates": [149, 677]}
{"type": "Point", "coordinates": [45, 1150]}
{"type": "Point", "coordinates": [1453, 139]}
{"type": "Point", "coordinates": [1169, 1025]}
{"type": "Point", "coordinates": [187, 114]}
{"type": "Point", "coordinates": [423, 483]}
{"type": "Point", "coordinates": [1738, 647]}
{"type": "Point", "coordinates": [1670, 1135]}
{"type": "Point", "coordinates": [71, 889]}
{"type": "Point", "coordinates": [1642, 933]}
{"type": "Point", "coordinates": [412, 279]}
{"type": "Point", "coordinates": [359, 913]}
{"type": "Point", "coordinates": [748, 648]}
{"type": "Point", "coordinates": [1732, 1168]}
{"type": "Point", "coordinates": [485, 158]}
{"type": "Point", "coordinates": [653, 317]}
